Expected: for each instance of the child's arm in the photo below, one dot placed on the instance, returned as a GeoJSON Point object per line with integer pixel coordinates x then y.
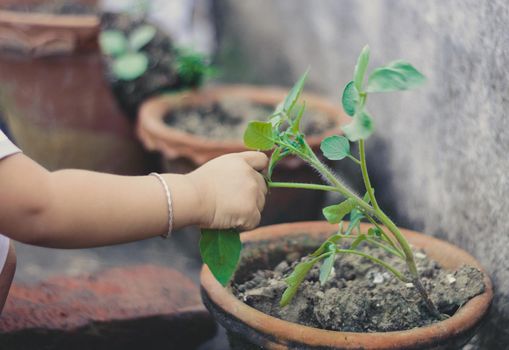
{"type": "Point", "coordinates": [77, 208]}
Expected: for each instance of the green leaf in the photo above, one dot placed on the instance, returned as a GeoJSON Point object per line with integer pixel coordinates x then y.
{"type": "Point", "coordinates": [335, 213]}
{"type": "Point", "coordinates": [130, 66]}
{"type": "Point", "coordinates": [356, 215]}
{"type": "Point", "coordinates": [192, 67]}
{"type": "Point", "coordinates": [355, 219]}
{"type": "Point", "coordinates": [375, 232]}
{"type": "Point", "coordinates": [358, 241]}
{"type": "Point", "coordinates": [294, 94]}
{"type": "Point", "coordinates": [296, 122]}
{"type": "Point", "coordinates": [220, 250]}
{"type": "Point", "coordinates": [279, 108]}
{"type": "Point", "coordinates": [360, 68]}
{"type": "Point", "coordinates": [113, 42]}
{"type": "Point", "coordinates": [258, 135]}
{"type": "Point", "coordinates": [335, 147]}
{"type": "Point", "coordinates": [327, 263]}
{"type": "Point", "coordinates": [141, 36]}
{"type": "Point", "coordinates": [361, 127]}
{"type": "Point", "coordinates": [350, 98]}
{"type": "Point", "coordinates": [366, 197]}
{"type": "Point", "coordinates": [396, 76]}
{"type": "Point", "coordinates": [295, 279]}
{"type": "Point", "coordinates": [278, 154]}
{"type": "Point", "coordinates": [275, 120]}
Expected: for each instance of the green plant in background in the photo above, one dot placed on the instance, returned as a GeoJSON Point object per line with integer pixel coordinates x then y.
{"type": "Point", "coordinates": [281, 133]}
{"type": "Point", "coordinates": [129, 62]}
{"type": "Point", "coordinates": [193, 67]}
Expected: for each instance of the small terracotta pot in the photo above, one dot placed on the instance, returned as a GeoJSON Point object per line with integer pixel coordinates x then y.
{"type": "Point", "coordinates": [183, 151]}
{"type": "Point", "coordinates": [250, 328]}
{"type": "Point", "coordinates": [57, 104]}
{"type": "Point", "coordinates": [173, 143]}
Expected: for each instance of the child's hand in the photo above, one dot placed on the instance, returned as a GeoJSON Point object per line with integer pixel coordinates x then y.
{"type": "Point", "coordinates": [231, 190]}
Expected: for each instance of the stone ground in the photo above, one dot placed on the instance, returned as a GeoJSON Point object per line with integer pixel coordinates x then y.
{"type": "Point", "coordinates": [179, 252]}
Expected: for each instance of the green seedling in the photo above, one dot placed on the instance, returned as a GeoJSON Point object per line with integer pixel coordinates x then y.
{"type": "Point", "coordinates": [282, 135]}
{"type": "Point", "coordinates": [129, 62]}
{"type": "Point", "coordinates": [193, 67]}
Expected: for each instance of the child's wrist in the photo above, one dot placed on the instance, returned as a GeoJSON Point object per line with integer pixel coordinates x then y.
{"type": "Point", "coordinates": [187, 207]}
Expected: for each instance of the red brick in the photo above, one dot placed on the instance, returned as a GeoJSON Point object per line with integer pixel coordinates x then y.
{"type": "Point", "coordinates": [130, 308]}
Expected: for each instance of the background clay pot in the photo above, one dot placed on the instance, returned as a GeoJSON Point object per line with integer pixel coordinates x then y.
{"type": "Point", "coordinates": [55, 100]}
{"type": "Point", "coordinates": [183, 151]}
{"type": "Point", "coordinates": [251, 329]}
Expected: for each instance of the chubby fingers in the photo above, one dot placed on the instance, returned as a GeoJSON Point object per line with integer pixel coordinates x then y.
{"type": "Point", "coordinates": [257, 160]}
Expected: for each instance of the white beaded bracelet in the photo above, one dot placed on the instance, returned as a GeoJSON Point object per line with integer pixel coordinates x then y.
{"type": "Point", "coordinates": [170, 205]}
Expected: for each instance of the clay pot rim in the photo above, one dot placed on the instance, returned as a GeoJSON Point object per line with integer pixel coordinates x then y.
{"type": "Point", "coordinates": [467, 317]}
{"type": "Point", "coordinates": [48, 19]}
{"type": "Point", "coordinates": [157, 135]}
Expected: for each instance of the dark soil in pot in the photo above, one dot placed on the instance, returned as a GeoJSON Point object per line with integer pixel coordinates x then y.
{"type": "Point", "coordinates": [227, 119]}
{"type": "Point", "coordinates": [161, 74]}
{"type": "Point", "coordinates": [360, 296]}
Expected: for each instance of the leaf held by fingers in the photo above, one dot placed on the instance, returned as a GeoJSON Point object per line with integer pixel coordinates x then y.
{"type": "Point", "coordinates": [220, 250]}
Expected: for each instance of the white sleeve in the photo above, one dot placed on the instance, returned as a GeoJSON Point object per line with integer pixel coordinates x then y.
{"type": "Point", "coordinates": [4, 250]}
{"type": "Point", "coordinates": [6, 146]}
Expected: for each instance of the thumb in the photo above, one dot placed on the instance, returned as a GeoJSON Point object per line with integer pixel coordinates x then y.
{"type": "Point", "coordinates": [257, 160]}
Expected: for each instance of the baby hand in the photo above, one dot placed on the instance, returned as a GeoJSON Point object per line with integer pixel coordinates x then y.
{"type": "Point", "coordinates": [231, 190]}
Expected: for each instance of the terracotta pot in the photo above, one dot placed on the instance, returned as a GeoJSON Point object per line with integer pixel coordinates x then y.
{"type": "Point", "coordinates": [183, 151]}
{"type": "Point", "coordinates": [56, 103]}
{"type": "Point", "coordinates": [252, 329]}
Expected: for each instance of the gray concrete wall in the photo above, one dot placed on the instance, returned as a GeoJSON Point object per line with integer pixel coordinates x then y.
{"type": "Point", "coordinates": [440, 154]}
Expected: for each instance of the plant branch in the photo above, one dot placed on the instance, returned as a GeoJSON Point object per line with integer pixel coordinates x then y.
{"type": "Point", "coordinates": [385, 247]}
{"type": "Point", "coordinates": [365, 176]}
{"type": "Point", "coordinates": [387, 238]}
{"type": "Point", "coordinates": [304, 186]}
{"type": "Point", "coordinates": [382, 263]}
{"type": "Point", "coordinates": [355, 160]}
{"type": "Point", "coordinates": [337, 186]}
{"type": "Point", "coordinates": [370, 240]}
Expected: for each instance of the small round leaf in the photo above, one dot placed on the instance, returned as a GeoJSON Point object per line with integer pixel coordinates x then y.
{"type": "Point", "coordinates": [113, 42]}
{"type": "Point", "coordinates": [335, 147]}
{"type": "Point", "coordinates": [361, 127]}
{"type": "Point", "coordinates": [141, 36]}
{"type": "Point", "coordinates": [130, 66]}
{"type": "Point", "coordinates": [350, 98]}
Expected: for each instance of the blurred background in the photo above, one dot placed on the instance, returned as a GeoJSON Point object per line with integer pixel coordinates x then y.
{"type": "Point", "coordinates": [73, 95]}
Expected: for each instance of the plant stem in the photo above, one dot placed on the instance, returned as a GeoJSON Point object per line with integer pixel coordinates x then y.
{"type": "Point", "coordinates": [409, 255]}
{"type": "Point", "coordinates": [387, 238]}
{"type": "Point", "coordinates": [391, 268]}
{"type": "Point", "coordinates": [368, 239]}
{"type": "Point", "coordinates": [337, 186]}
{"type": "Point", "coordinates": [304, 186]}
{"type": "Point", "coordinates": [385, 247]}
{"type": "Point", "coordinates": [354, 159]}
{"type": "Point", "coordinates": [365, 176]}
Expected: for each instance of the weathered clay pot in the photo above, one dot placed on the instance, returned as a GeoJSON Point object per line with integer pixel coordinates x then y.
{"type": "Point", "coordinates": [56, 102]}
{"type": "Point", "coordinates": [183, 151]}
{"type": "Point", "coordinates": [251, 329]}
